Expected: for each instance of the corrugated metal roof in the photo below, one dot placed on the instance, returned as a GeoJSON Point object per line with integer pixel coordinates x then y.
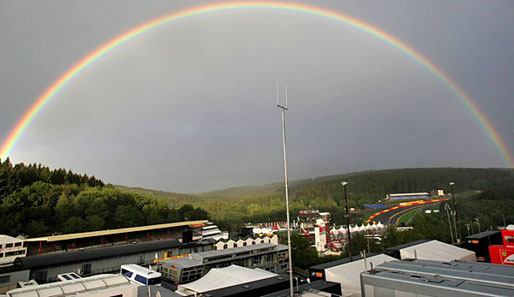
{"type": "Point", "coordinates": [112, 232]}
{"type": "Point", "coordinates": [56, 259]}
{"type": "Point", "coordinates": [182, 262]}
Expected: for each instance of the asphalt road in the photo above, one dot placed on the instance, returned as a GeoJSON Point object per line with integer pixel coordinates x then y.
{"type": "Point", "coordinates": [392, 217]}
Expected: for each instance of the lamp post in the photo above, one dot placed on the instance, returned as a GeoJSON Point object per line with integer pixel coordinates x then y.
{"type": "Point", "coordinates": [456, 218]}
{"type": "Point", "coordinates": [347, 221]}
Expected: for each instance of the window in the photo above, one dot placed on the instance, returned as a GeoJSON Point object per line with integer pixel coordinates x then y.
{"type": "Point", "coordinates": [1, 255]}
{"type": "Point", "coordinates": [8, 245]}
{"type": "Point", "coordinates": [225, 246]}
{"type": "Point", "coordinates": [10, 254]}
{"type": "Point", "coordinates": [154, 281]}
{"type": "Point", "coordinates": [17, 244]}
{"type": "Point", "coordinates": [244, 243]}
{"type": "Point", "coordinates": [235, 245]}
{"type": "Point", "coordinates": [5, 279]}
{"type": "Point", "coordinates": [141, 279]}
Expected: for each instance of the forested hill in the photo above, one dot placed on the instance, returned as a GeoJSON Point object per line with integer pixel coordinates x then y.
{"type": "Point", "coordinates": [37, 201]}
{"type": "Point", "coordinates": [376, 184]}
{"type": "Point", "coordinates": [248, 191]}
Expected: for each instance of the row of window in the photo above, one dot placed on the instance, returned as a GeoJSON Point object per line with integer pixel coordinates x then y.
{"type": "Point", "coordinates": [11, 244]}
{"type": "Point", "coordinates": [10, 254]}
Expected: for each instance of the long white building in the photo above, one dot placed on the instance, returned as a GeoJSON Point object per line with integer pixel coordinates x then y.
{"type": "Point", "coordinates": [10, 249]}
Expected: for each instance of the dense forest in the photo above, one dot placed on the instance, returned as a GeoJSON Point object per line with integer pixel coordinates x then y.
{"type": "Point", "coordinates": [37, 201]}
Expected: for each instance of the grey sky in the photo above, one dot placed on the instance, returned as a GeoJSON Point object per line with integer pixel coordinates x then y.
{"type": "Point", "coordinates": [189, 106]}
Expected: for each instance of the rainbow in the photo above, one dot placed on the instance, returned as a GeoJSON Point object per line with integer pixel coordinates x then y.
{"type": "Point", "coordinates": [49, 93]}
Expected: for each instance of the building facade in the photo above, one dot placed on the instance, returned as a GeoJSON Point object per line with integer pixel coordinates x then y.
{"type": "Point", "coordinates": [47, 267]}
{"type": "Point", "coordinates": [265, 256]}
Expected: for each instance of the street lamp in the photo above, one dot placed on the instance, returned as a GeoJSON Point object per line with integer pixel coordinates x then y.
{"type": "Point", "coordinates": [456, 218]}
{"type": "Point", "coordinates": [344, 184]}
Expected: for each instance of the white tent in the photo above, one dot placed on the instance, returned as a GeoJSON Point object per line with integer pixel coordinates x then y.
{"type": "Point", "coordinates": [333, 230]}
{"type": "Point", "coordinates": [342, 229]}
{"type": "Point", "coordinates": [352, 229]}
{"type": "Point", "coordinates": [218, 278]}
{"type": "Point", "coordinates": [437, 251]}
{"type": "Point", "coordinates": [348, 274]}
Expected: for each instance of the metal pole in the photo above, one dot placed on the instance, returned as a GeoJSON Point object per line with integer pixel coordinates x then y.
{"type": "Point", "coordinates": [347, 221]}
{"type": "Point", "coordinates": [457, 231]}
{"type": "Point", "coordinates": [447, 207]}
{"type": "Point", "coordinates": [454, 213]}
{"type": "Point", "coordinates": [283, 109]}
{"type": "Point", "coordinates": [478, 222]}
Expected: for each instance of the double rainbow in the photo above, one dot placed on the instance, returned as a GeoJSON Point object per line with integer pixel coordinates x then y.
{"type": "Point", "coordinates": [36, 107]}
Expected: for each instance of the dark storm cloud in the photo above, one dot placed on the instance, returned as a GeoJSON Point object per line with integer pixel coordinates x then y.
{"type": "Point", "coordinates": [190, 106]}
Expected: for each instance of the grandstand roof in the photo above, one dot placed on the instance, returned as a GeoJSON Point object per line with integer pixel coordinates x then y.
{"type": "Point", "coordinates": [409, 194]}
{"type": "Point", "coordinates": [112, 232]}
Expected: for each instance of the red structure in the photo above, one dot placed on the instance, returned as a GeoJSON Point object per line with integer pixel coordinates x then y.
{"type": "Point", "coordinates": [504, 254]}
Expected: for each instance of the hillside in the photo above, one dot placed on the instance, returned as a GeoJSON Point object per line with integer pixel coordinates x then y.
{"type": "Point", "coordinates": [266, 203]}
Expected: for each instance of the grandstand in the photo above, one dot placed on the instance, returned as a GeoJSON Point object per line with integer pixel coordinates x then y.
{"type": "Point", "coordinates": [408, 196]}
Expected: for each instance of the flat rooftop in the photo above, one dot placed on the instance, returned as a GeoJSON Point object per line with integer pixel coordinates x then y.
{"type": "Point", "coordinates": [72, 287]}
{"type": "Point", "coordinates": [483, 234]}
{"type": "Point", "coordinates": [493, 274]}
{"type": "Point", "coordinates": [237, 250]}
{"type": "Point", "coordinates": [433, 285]}
{"type": "Point", "coordinates": [73, 236]}
{"type": "Point", "coordinates": [196, 259]}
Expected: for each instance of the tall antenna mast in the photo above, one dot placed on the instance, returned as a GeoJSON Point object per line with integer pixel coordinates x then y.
{"type": "Point", "coordinates": [290, 256]}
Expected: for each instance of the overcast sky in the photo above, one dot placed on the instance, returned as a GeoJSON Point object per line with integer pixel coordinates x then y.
{"type": "Point", "coordinates": [190, 106]}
